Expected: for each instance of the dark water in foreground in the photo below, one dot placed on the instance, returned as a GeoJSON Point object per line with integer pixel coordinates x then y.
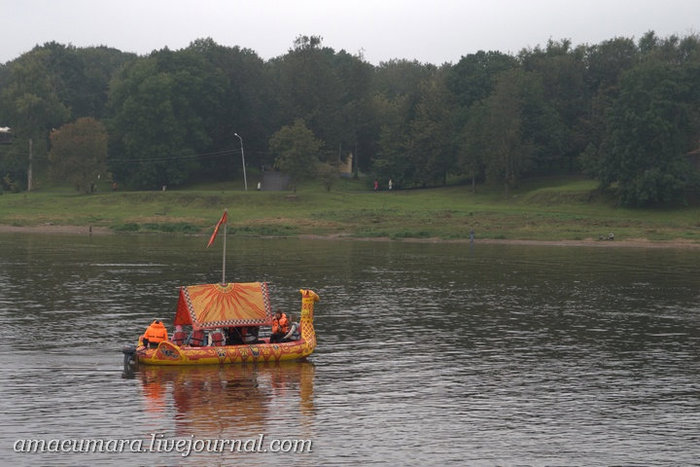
{"type": "Point", "coordinates": [428, 354]}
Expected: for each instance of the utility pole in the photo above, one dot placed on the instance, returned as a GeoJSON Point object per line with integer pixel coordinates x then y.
{"type": "Point", "coordinates": [245, 179]}
{"type": "Point", "coordinates": [29, 170]}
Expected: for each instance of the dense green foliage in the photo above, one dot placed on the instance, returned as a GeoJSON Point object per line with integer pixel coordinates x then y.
{"type": "Point", "coordinates": [298, 151]}
{"type": "Point", "coordinates": [79, 153]}
{"type": "Point", "coordinates": [625, 113]}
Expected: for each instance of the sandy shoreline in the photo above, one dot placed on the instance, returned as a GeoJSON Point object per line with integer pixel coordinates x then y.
{"type": "Point", "coordinates": [55, 229]}
{"type": "Point", "coordinates": [634, 243]}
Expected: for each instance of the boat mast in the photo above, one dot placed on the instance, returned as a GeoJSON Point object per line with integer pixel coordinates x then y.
{"type": "Point", "coordinates": [223, 258]}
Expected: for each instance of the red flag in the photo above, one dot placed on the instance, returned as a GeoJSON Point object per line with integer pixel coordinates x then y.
{"type": "Point", "coordinates": [216, 229]}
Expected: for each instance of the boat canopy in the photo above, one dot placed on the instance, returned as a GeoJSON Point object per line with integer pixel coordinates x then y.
{"type": "Point", "coordinates": [210, 306]}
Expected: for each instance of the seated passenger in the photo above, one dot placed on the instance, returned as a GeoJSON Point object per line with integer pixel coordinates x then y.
{"type": "Point", "coordinates": [294, 333]}
{"type": "Point", "coordinates": [250, 335]}
{"type": "Point", "coordinates": [197, 338]}
{"type": "Point", "coordinates": [280, 327]}
{"type": "Point", "coordinates": [234, 336]}
{"type": "Point", "coordinates": [179, 336]}
{"type": "Point", "coordinates": [155, 334]}
{"type": "Point", "coordinates": [217, 338]}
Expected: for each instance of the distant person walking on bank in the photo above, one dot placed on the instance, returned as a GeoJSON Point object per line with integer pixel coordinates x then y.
{"type": "Point", "coordinates": [391, 184]}
{"type": "Point", "coordinates": [376, 185]}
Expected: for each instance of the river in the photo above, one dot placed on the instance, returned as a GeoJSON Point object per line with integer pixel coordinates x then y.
{"type": "Point", "coordinates": [427, 354]}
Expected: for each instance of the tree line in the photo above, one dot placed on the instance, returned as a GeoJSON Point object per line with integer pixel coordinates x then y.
{"type": "Point", "coordinates": [624, 112]}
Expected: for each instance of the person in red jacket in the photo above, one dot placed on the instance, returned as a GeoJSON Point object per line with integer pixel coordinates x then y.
{"type": "Point", "coordinates": [155, 334]}
{"type": "Point", "coordinates": [280, 327]}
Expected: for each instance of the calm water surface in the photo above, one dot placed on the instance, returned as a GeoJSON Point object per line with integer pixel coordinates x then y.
{"type": "Point", "coordinates": [428, 353]}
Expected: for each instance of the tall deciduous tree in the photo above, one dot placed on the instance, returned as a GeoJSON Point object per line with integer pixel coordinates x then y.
{"type": "Point", "coordinates": [473, 143]}
{"type": "Point", "coordinates": [652, 125]}
{"type": "Point", "coordinates": [357, 122]}
{"type": "Point", "coordinates": [608, 60]}
{"type": "Point", "coordinates": [79, 153]}
{"type": "Point", "coordinates": [432, 137]}
{"type": "Point", "coordinates": [30, 105]}
{"type": "Point", "coordinates": [474, 76]}
{"type": "Point", "coordinates": [508, 154]}
{"type": "Point", "coordinates": [163, 107]}
{"type": "Point", "coordinates": [558, 104]}
{"type": "Point", "coordinates": [397, 92]}
{"type": "Point", "coordinates": [245, 103]}
{"type": "Point", "coordinates": [297, 150]}
{"type": "Point", "coordinates": [391, 160]}
{"type": "Point", "coordinates": [310, 88]}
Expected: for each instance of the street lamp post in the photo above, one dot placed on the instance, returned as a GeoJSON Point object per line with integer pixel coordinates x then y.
{"type": "Point", "coordinates": [245, 179]}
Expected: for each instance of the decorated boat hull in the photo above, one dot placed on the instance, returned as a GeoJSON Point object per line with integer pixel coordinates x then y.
{"type": "Point", "coordinates": [168, 353]}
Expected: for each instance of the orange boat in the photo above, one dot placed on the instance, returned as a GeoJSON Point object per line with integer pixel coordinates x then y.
{"type": "Point", "coordinates": [210, 307]}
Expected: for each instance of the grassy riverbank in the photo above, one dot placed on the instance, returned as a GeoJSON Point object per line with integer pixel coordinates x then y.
{"type": "Point", "coordinates": [548, 210]}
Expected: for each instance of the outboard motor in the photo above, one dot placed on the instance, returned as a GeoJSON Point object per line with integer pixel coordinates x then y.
{"type": "Point", "coordinates": [130, 360]}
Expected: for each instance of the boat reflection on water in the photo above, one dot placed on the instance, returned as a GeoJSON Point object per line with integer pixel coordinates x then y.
{"type": "Point", "coordinates": [228, 399]}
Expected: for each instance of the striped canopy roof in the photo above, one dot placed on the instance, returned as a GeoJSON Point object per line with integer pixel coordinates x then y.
{"type": "Point", "coordinates": [211, 306]}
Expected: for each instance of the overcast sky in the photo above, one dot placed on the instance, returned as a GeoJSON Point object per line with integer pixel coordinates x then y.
{"type": "Point", "coordinates": [432, 31]}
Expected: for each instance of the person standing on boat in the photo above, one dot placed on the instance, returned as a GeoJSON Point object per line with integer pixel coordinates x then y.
{"type": "Point", "coordinates": [155, 334]}
{"type": "Point", "coordinates": [280, 327]}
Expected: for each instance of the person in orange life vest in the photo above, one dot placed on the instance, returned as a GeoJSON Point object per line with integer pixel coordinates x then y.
{"type": "Point", "coordinates": [280, 327]}
{"type": "Point", "coordinates": [155, 334]}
